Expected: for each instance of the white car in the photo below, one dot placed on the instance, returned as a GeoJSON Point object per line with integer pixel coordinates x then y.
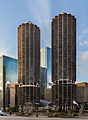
{"type": "Point", "coordinates": [2, 113]}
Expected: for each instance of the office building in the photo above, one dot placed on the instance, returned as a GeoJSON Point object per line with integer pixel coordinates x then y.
{"type": "Point", "coordinates": [82, 92]}
{"type": "Point", "coordinates": [11, 93]}
{"type": "Point", "coordinates": [46, 62]}
{"type": "Point", "coordinates": [48, 94]}
{"type": "Point", "coordinates": [8, 72]}
{"type": "Point", "coordinates": [29, 63]}
{"type": "Point", "coordinates": [63, 59]}
{"type": "Point", "coordinates": [43, 84]}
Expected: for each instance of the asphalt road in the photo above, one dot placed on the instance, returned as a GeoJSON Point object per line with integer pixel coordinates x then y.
{"type": "Point", "coordinates": [39, 118]}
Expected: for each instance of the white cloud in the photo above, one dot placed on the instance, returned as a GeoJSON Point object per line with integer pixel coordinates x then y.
{"type": "Point", "coordinates": [83, 38]}
{"type": "Point", "coordinates": [84, 43]}
{"type": "Point", "coordinates": [40, 10]}
{"type": "Point", "coordinates": [84, 57]}
{"type": "Point", "coordinates": [82, 66]}
{"type": "Point", "coordinates": [3, 52]}
{"type": "Point", "coordinates": [80, 37]}
{"type": "Point", "coordinates": [85, 31]}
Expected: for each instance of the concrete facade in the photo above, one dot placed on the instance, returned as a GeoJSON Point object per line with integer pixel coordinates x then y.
{"type": "Point", "coordinates": [63, 59]}
{"type": "Point", "coordinates": [29, 63]}
{"type": "Point", "coordinates": [11, 93]}
{"type": "Point", "coordinates": [82, 92]}
{"type": "Point", "coordinates": [48, 94]}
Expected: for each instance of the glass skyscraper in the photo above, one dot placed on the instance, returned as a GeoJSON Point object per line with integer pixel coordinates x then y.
{"type": "Point", "coordinates": [43, 77]}
{"type": "Point", "coordinates": [46, 63]}
{"type": "Point", "coordinates": [8, 72]}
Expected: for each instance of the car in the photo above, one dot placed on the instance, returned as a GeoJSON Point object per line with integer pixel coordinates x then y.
{"type": "Point", "coordinates": [0, 111]}
{"type": "Point", "coordinates": [3, 113]}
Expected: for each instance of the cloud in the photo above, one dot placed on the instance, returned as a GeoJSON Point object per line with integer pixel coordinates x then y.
{"type": "Point", "coordinates": [84, 57]}
{"type": "Point", "coordinates": [82, 67]}
{"type": "Point", "coordinates": [83, 38]}
{"type": "Point", "coordinates": [84, 43]}
{"type": "Point", "coordinates": [3, 51]}
{"type": "Point", "coordinates": [80, 37]}
{"type": "Point", "coordinates": [40, 10]}
{"type": "Point", "coordinates": [83, 33]}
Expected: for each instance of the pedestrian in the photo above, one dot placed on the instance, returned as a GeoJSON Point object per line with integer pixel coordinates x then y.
{"type": "Point", "coordinates": [10, 112]}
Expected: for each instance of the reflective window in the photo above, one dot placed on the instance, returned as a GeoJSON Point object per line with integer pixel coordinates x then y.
{"type": "Point", "coordinates": [1, 82]}
{"type": "Point", "coordinates": [8, 72]}
{"type": "Point", "coordinates": [10, 69]}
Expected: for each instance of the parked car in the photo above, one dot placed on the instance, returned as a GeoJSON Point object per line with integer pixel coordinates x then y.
{"type": "Point", "coordinates": [3, 113]}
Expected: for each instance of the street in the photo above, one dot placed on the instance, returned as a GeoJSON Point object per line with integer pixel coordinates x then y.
{"type": "Point", "coordinates": [34, 118]}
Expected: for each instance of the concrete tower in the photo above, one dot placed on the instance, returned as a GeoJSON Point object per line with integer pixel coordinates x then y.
{"type": "Point", "coordinates": [29, 63]}
{"type": "Point", "coordinates": [63, 59]}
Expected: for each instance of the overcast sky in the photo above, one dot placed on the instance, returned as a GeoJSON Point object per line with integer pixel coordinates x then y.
{"type": "Point", "coordinates": [41, 12]}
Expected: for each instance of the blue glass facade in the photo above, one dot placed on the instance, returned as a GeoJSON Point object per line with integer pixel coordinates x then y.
{"type": "Point", "coordinates": [1, 82]}
{"type": "Point", "coordinates": [48, 66]}
{"type": "Point", "coordinates": [45, 70]}
{"type": "Point", "coordinates": [43, 76]}
{"type": "Point", "coordinates": [8, 72]}
{"type": "Point", "coordinates": [10, 67]}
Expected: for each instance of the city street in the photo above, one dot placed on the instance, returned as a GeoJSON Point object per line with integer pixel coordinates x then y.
{"type": "Point", "coordinates": [34, 118]}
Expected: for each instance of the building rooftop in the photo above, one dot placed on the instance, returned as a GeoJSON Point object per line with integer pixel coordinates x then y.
{"type": "Point", "coordinates": [8, 57]}
{"type": "Point", "coordinates": [28, 22]}
{"type": "Point", "coordinates": [82, 84]}
{"type": "Point", "coordinates": [58, 16]}
{"type": "Point", "coordinates": [63, 13]}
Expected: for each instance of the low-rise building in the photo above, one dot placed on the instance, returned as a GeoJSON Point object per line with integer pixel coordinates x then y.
{"type": "Point", "coordinates": [11, 94]}
{"type": "Point", "coordinates": [48, 94]}
{"type": "Point", "coordinates": [82, 92]}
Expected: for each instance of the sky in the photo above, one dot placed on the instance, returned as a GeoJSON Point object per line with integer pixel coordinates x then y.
{"type": "Point", "coordinates": [40, 12]}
